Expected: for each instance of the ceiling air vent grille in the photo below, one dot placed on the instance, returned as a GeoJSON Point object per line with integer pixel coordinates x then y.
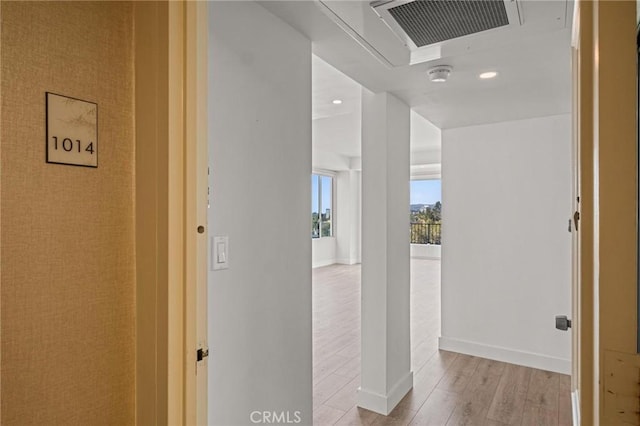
{"type": "Point", "coordinates": [432, 21]}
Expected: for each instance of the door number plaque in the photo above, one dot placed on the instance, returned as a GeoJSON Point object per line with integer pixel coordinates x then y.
{"type": "Point", "coordinates": [72, 131]}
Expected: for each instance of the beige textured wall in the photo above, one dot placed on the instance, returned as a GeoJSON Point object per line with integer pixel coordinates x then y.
{"type": "Point", "coordinates": [66, 233]}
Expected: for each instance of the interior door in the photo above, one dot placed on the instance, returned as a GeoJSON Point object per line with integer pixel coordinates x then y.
{"type": "Point", "coordinates": [574, 226]}
{"type": "Point", "coordinates": [574, 220]}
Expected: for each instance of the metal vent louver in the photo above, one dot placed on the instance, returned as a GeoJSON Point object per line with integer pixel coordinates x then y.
{"type": "Point", "coordinates": [431, 21]}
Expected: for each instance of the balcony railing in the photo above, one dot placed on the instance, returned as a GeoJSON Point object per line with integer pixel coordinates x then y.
{"type": "Point", "coordinates": [426, 233]}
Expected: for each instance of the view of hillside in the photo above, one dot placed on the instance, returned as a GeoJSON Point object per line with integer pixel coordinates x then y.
{"type": "Point", "coordinates": [426, 211]}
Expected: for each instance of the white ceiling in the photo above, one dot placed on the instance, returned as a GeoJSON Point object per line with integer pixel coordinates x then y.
{"type": "Point", "coordinates": [329, 84]}
{"type": "Point", "coordinates": [336, 128]}
{"type": "Point", "coordinates": [533, 64]}
{"type": "Point", "coordinates": [534, 80]}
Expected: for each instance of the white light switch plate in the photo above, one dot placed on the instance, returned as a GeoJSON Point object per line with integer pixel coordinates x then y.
{"type": "Point", "coordinates": [219, 253]}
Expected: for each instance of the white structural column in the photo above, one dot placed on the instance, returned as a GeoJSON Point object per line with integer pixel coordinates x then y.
{"type": "Point", "coordinates": [386, 374]}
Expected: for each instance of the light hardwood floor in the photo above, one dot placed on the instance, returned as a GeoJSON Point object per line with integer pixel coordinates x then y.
{"type": "Point", "coordinates": [449, 388]}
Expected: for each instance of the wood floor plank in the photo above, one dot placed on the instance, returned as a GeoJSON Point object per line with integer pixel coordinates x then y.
{"type": "Point", "coordinates": [457, 377]}
{"type": "Point", "coordinates": [508, 403]}
{"type": "Point", "coordinates": [357, 416]}
{"type": "Point", "coordinates": [473, 405]}
{"type": "Point", "coordinates": [427, 378]}
{"type": "Point", "coordinates": [351, 369]}
{"type": "Point", "coordinates": [565, 413]}
{"type": "Point", "coordinates": [351, 350]}
{"type": "Point", "coordinates": [327, 388]}
{"type": "Point", "coordinates": [436, 410]}
{"type": "Point", "coordinates": [448, 387]}
{"type": "Point", "coordinates": [489, 422]}
{"type": "Point", "coordinates": [538, 415]}
{"type": "Point", "coordinates": [345, 398]}
{"type": "Point", "coordinates": [327, 366]}
{"type": "Point", "coordinates": [391, 421]}
{"type": "Point", "coordinates": [400, 416]}
{"type": "Point", "coordinates": [337, 344]}
{"type": "Point", "coordinates": [469, 411]}
{"type": "Point", "coordinates": [543, 389]}
{"type": "Point", "coordinates": [323, 415]}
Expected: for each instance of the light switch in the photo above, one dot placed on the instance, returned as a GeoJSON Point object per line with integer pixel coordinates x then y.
{"type": "Point", "coordinates": [222, 253]}
{"type": "Point", "coordinates": [219, 253]}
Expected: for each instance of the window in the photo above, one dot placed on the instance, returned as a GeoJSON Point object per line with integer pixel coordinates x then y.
{"type": "Point", "coordinates": [321, 206]}
{"type": "Point", "coordinates": [426, 212]}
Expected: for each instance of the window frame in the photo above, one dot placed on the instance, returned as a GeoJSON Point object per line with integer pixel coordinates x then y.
{"type": "Point", "coordinates": [425, 178]}
{"type": "Point", "coordinates": [333, 175]}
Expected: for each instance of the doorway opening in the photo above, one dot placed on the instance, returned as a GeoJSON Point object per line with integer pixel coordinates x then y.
{"type": "Point", "coordinates": [425, 239]}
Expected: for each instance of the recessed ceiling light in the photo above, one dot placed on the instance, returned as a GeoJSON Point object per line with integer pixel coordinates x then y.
{"type": "Point", "coordinates": [488, 74]}
{"type": "Point", "coordinates": [336, 101]}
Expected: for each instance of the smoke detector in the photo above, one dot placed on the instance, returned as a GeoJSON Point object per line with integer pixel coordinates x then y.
{"type": "Point", "coordinates": [439, 73]}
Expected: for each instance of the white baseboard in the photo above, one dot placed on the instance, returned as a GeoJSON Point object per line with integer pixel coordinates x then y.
{"type": "Point", "coordinates": [575, 407]}
{"type": "Point", "coordinates": [426, 257]}
{"type": "Point", "coordinates": [512, 356]}
{"type": "Point", "coordinates": [382, 404]}
{"type": "Point", "coordinates": [346, 261]}
{"type": "Point", "coordinates": [321, 263]}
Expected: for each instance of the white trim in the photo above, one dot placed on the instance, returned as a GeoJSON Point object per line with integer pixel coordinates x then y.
{"type": "Point", "coordinates": [575, 407]}
{"type": "Point", "coordinates": [322, 263]}
{"type": "Point", "coordinates": [355, 163]}
{"type": "Point", "coordinates": [326, 172]}
{"type": "Point", "coordinates": [353, 34]}
{"type": "Point", "coordinates": [512, 356]}
{"type": "Point", "coordinates": [385, 404]}
{"type": "Point", "coordinates": [426, 257]}
{"type": "Point", "coordinates": [344, 261]}
{"type": "Point", "coordinates": [426, 176]}
{"type": "Point", "coordinates": [418, 174]}
{"type": "Point", "coordinates": [575, 25]}
{"type": "Point", "coordinates": [334, 198]}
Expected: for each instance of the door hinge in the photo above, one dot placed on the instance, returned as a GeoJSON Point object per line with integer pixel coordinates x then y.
{"type": "Point", "coordinates": [576, 219]}
{"type": "Point", "coordinates": [202, 354]}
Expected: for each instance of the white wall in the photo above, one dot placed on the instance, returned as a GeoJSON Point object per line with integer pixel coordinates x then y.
{"type": "Point", "coordinates": [336, 148]}
{"type": "Point", "coordinates": [344, 246]}
{"type": "Point", "coordinates": [349, 205]}
{"type": "Point", "coordinates": [426, 251]}
{"type": "Point", "coordinates": [426, 148]}
{"type": "Point", "coordinates": [323, 251]}
{"type": "Point", "coordinates": [339, 133]}
{"type": "Point", "coordinates": [424, 134]}
{"type": "Point", "coordinates": [260, 150]}
{"type": "Point", "coordinates": [506, 249]}
{"type": "Point", "coordinates": [325, 160]}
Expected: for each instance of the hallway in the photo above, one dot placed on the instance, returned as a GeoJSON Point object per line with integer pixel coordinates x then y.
{"type": "Point", "coordinates": [449, 388]}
